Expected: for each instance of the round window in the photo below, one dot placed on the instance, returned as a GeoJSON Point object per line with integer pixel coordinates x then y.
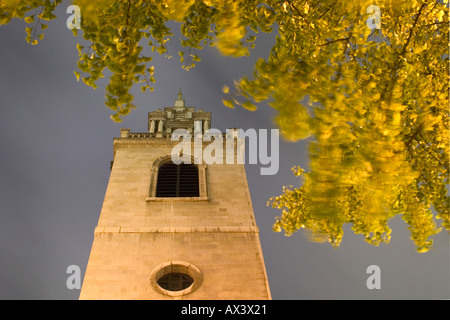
{"type": "Point", "coordinates": [175, 278]}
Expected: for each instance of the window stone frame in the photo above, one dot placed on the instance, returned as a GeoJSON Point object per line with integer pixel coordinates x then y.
{"type": "Point", "coordinates": [176, 267]}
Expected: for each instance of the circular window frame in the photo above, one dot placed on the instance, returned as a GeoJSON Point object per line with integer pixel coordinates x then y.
{"type": "Point", "coordinates": [176, 267]}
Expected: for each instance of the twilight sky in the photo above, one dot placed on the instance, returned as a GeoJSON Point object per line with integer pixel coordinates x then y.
{"type": "Point", "coordinates": [55, 149]}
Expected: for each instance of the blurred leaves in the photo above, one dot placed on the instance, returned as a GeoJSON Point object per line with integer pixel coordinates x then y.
{"type": "Point", "coordinates": [372, 102]}
{"type": "Point", "coordinates": [115, 31]}
{"type": "Point", "coordinates": [376, 111]}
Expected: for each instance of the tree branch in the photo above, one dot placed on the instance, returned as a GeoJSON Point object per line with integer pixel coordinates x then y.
{"type": "Point", "coordinates": [412, 29]}
{"type": "Point", "coordinates": [390, 85]}
{"type": "Point", "coordinates": [295, 8]}
{"type": "Point", "coordinates": [332, 41]}
{"type": "Point", "coordinates": [414, 135]}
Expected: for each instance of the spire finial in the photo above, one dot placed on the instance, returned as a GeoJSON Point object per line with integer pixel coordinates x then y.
{"type": "Point", "coordinates": [179, 103]}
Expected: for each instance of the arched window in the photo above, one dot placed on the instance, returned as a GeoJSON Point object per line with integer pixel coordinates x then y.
{"type": "Point", "coordinates": [177, 180]}
{"type": "Point", "coordinates": [183, 182]}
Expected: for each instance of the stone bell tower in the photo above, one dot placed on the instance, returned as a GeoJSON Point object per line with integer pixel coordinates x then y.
{"type": "Point", "coordinates": [175, 231]}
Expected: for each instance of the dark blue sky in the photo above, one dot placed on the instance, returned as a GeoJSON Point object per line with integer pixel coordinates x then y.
{"type": "Point", "coordinates": [56, 145]}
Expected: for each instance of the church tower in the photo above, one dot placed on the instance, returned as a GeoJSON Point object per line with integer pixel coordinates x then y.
{"type": "Point", "coordinates": [175, 231]}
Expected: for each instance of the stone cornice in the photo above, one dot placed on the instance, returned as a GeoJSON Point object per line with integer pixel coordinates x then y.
{"type": "Point", "coordinates": [202, 229]}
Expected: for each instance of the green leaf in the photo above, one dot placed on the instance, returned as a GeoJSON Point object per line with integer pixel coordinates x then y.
{"type": "Point", "coordinates": [139, 68]}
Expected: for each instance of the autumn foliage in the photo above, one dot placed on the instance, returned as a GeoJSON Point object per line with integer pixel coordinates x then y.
{"type": "Point", "coordinates": [372, 102]}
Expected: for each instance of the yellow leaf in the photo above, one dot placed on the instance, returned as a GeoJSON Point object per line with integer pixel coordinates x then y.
{"type": "Point", "coordinates": [249, 106]}
{"type": "Point", "coordinates": [29, 19]}
{"type": "Point", "coordinates": [226, 89]}
{"type": "Point", "coordinates": [228, 103]}
{"type": "Point", "coordinates": [397, 107]}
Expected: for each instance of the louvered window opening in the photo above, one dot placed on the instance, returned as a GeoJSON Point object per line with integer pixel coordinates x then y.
{"type": "Point", "coordinates": [177, 180]}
